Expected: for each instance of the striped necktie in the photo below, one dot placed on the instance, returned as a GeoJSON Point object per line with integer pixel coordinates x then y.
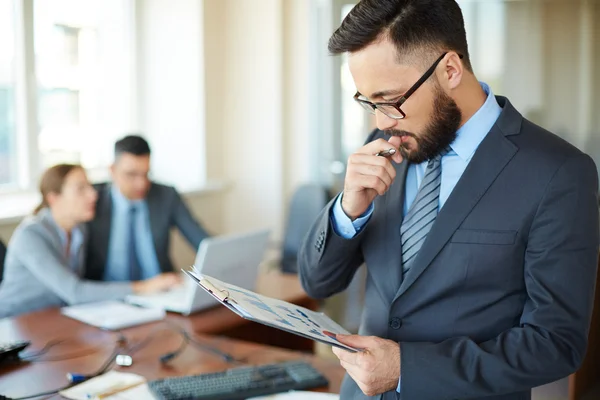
{"type": "Point", "coordinates": [422, 214]}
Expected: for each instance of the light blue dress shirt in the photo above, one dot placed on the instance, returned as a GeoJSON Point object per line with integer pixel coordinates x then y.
{"type": "Point", "coordinates": [469, 137]}
{"type": "Point", "coordinates": [117, 265]}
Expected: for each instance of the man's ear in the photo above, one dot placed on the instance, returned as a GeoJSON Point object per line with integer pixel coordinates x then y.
{"type": "Point", "coordinates": [453, 72]}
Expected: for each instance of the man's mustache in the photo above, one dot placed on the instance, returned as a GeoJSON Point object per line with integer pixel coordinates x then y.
{"type": "Point", "coordinates": [396, 132]}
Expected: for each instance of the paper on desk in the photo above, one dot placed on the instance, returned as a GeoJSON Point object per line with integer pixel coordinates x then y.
{"type": "Point", "coordinates": [112, 314]}
{"type": "Point", "coordinates": [141, 392]}
{"type": "Point", "coordinates": [298, 395]}
{"type": "Point", "coordinates": [102, 384]}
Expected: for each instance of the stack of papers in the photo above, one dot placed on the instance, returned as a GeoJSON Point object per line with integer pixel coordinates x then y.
{"type": "Point", "coordinates": [113, 314]}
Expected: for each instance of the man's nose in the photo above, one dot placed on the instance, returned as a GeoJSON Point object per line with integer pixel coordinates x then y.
{"type": "Point", "coordinates": [383, 121]}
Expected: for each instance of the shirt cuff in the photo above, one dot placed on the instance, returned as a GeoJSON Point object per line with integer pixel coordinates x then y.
{"type": "Point", "coordinates": [343, 225]}
{"type": "Point", "coordinates": [399, 384]}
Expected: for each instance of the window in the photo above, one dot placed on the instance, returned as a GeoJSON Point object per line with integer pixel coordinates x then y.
{"type": "Point", "coordinates": [82, 61]}
{"type": "Point", "coordinates": [67, 85]}
{"type": "Point", "coordinates": [486, 27]}
{"type": "Point", "coordinates": [340, 125]}
{"type": "Point", "coordinates": [8, 152]}
{"type": "Point", "coordinates": [355, 123]}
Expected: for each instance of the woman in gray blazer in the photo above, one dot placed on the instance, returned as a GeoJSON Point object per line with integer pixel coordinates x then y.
{"type": "Point", "coordinates": [44, 259]}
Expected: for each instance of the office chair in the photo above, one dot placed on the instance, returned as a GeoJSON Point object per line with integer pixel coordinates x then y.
{"type": "Point", "coordinates": [2, 256]}
{"type": "Point", "coordinates": [306, 204]}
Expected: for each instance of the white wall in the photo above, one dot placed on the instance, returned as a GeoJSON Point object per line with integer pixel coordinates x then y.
{"type": "Point", "coordinates": [258, 138]}
{"type": "Point", "coordinates": [214, 58]}
{"type": "Point", "coordinates": [524, 42]}
{"type": "Point", "coordinates": [561, 63]}
{"type": "Point", "coordinates": [252, 121]}
{"type": "Point", "coordinates": [298, 138]}
{"type": "Point", "coordinates": [256, 66]}
{"type": "Point", "coordinates": [171, 88]}
{"type": "Point", "coordinates": [551, 52]}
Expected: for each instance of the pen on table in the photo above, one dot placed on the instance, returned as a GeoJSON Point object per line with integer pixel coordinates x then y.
{"type": "Point", "coordinates": [112, 391]}
{"type": "Point", "coordinates": [386, 153]}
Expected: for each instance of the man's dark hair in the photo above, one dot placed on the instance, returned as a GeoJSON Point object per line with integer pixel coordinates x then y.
{"type": "Point", "coordinates": [420, 29]}
{"type": "Point", "coordinates": [132, 144]}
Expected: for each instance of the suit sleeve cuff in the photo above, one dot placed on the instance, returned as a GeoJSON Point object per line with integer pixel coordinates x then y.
{"type": "Point", "coordinates": [343, 225]}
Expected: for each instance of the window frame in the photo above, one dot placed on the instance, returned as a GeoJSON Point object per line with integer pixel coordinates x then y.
{"type": "Point", "coordinates": [27, 155]}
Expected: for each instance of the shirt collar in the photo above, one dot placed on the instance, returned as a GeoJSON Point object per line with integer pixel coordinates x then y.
{"type": "Point", "coordinates": [120, 201]}
{"type": "Point", "coordinates": [471, 134]}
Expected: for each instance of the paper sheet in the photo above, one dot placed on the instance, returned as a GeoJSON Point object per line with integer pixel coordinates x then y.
{"type": "Point", "coordinates": [112, 314]}
{"type": "Point", "coordinates": [141, 392]}
{"type": "Point", "coordinates": [102, 384]}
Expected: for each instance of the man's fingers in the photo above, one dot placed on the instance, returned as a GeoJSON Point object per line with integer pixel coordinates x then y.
{"type": "Point", "coordinates": [358, 376]}
{"type": "Point", "coordinates": [345, 356]}
{"type": "Point", "coordinates": [373, 170]}
{"type": "Point", "coordinates": [371, 182]}
{"type": "Point", "coordinates": [359, 160]}
{"type": "Point", "coordinates": [396, 142]}
{"type": "Point", "coordinates": [375, 147]}
{"type": "Point", "coordinates": [358, 182]}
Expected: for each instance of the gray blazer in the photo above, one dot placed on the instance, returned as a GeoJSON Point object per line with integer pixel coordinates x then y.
{"type": "Point", "coordinates": [166, 209]}
{"type": "Point", "coordinates": [499, 298]}
{"type": "Point", "coordinates": [36, 272]}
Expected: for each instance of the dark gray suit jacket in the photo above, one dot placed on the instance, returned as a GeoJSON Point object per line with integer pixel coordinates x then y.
{"type": "Point", "coordinates": [166, 209]}
{"type": "Point", "coordinates": [499, 297]}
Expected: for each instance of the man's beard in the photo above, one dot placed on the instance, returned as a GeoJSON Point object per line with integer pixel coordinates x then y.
{"type": "Point", "coordinates": [439, 133]}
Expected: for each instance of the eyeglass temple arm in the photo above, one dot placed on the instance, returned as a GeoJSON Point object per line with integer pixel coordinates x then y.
{"type": "Point", "coordinates": [426, 75]}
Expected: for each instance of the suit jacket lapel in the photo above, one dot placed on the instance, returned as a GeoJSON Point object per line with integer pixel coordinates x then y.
{"type": "Point", "coordinates": [104, 221]}
{"type": "Point", "coordinates": [494, 152]}
{"type": "Point", "coordinates": [387, 271]}
{"type": "Point", "coordinates": [81, 252]}
{"type": "Point", "coordinates": [154, 210]}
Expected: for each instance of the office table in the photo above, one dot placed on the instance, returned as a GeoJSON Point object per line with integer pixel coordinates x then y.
{"type": "Point", "coordinates": [93, 346]}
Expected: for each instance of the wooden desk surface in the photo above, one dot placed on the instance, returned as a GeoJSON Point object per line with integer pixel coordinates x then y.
{"type": "Point", "coordinates": [96, 345]}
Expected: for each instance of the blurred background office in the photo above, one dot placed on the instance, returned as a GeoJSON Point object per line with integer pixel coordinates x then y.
{"type": "Point", "coordinates": [239, 99]}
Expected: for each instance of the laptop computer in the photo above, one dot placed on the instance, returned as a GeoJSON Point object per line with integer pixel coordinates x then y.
{"type": "Point", "coordinates": [232, 258]}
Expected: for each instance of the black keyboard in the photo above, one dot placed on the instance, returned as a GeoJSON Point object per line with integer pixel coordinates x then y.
{"type": "Point", "coordinates": [240, 383]}
{"type": "Point", "coordinates": [9, 352]}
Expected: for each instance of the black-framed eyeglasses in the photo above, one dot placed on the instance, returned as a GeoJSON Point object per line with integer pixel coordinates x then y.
{"type": "Point", "coordinates": [392, 109]}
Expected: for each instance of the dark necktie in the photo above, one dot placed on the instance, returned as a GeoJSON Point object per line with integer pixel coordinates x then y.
{"type": "Point", "coordinates": [135, 271]}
